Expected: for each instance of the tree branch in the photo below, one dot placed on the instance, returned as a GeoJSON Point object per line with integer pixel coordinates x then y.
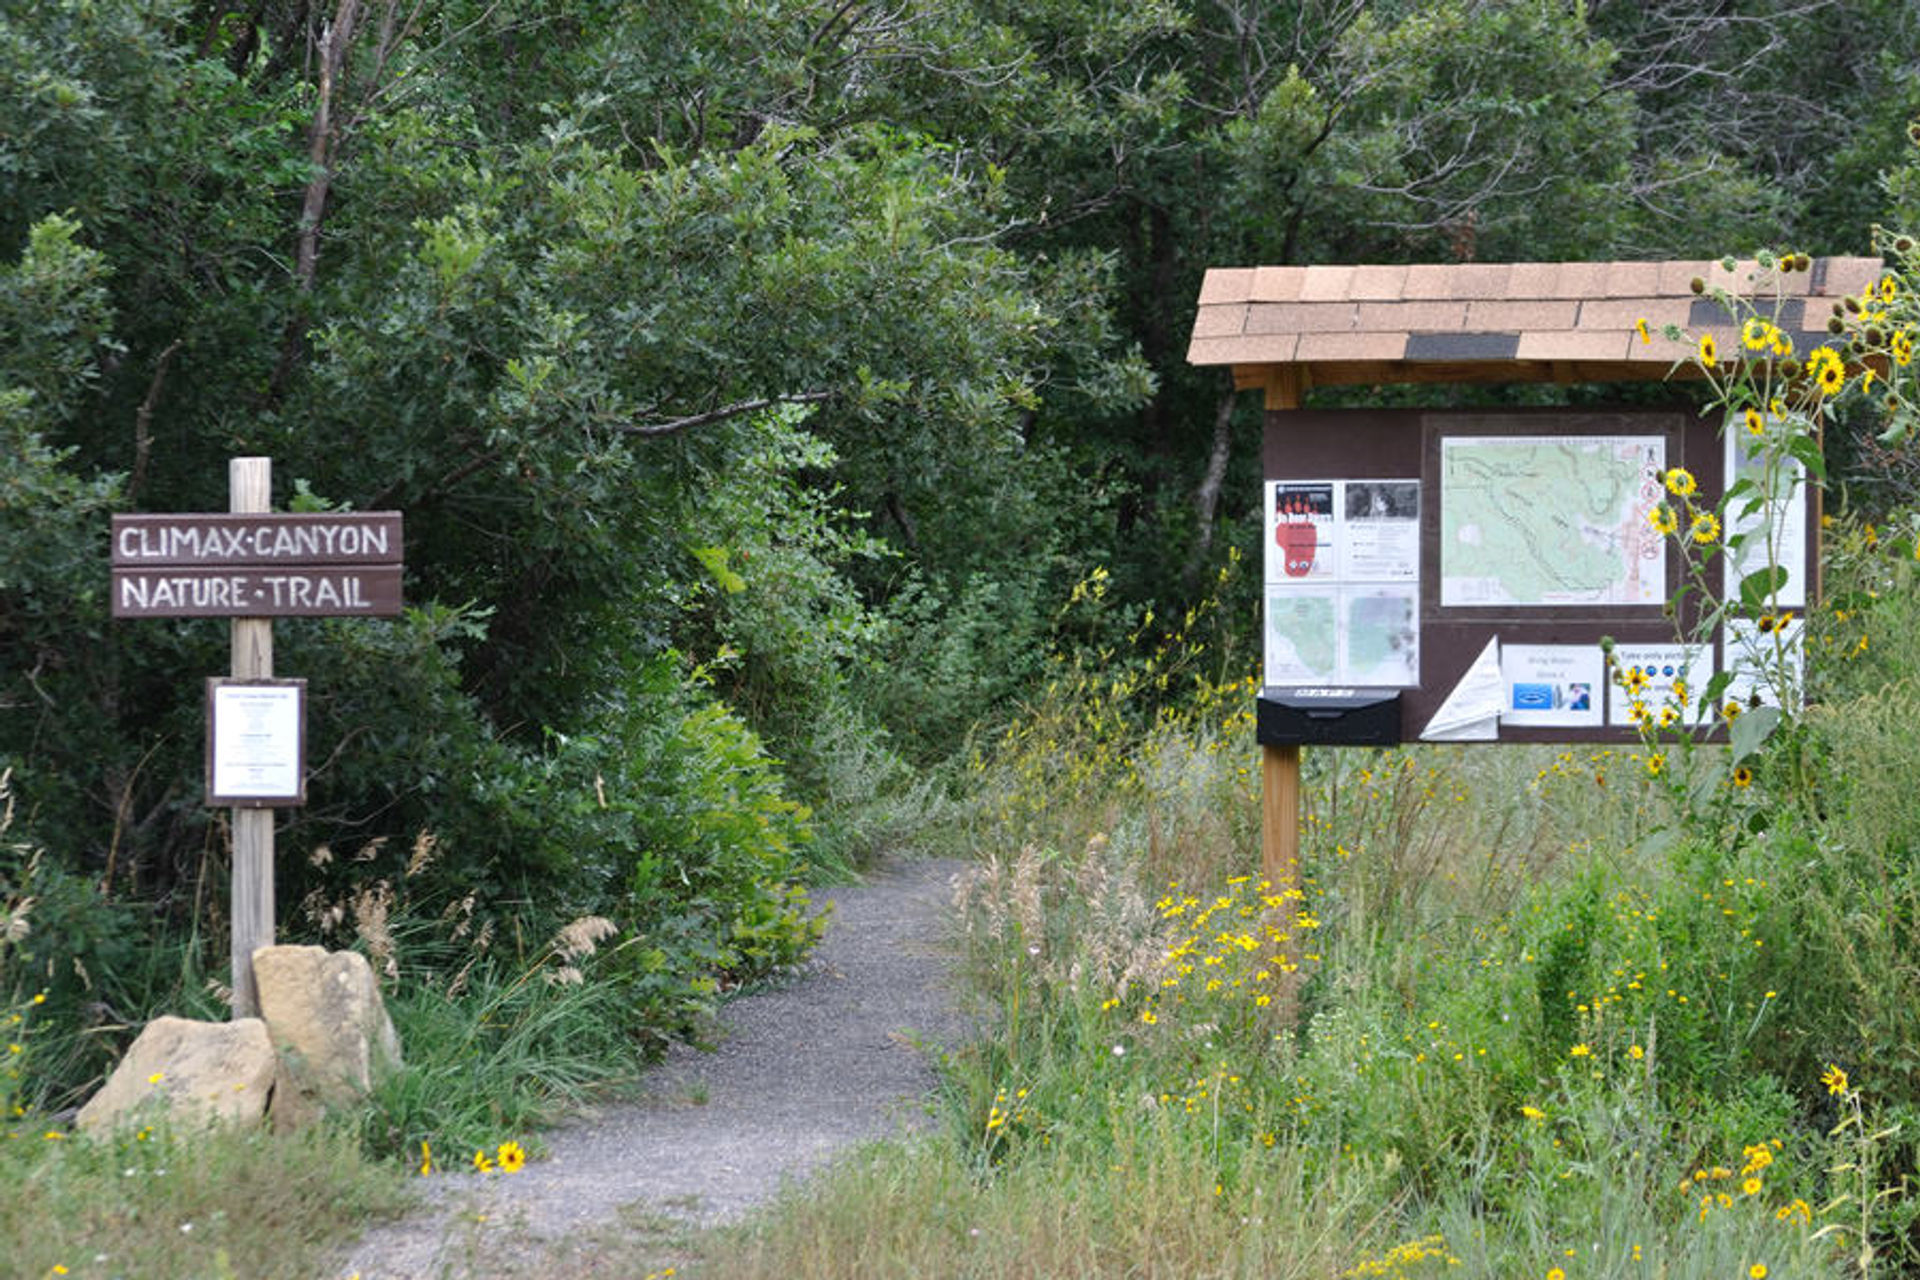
{"type": "Point", "coordinates": [143, 422]}
{"type": "Point", "coordinates": [725, 411]}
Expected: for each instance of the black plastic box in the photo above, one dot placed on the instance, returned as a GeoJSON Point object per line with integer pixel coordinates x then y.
{"type": "Point", "coordinates": [1330, 717]}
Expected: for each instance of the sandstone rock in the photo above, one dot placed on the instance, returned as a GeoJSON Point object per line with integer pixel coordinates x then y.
{"type": "Point", "coordinates": [325, 1017]}
{"type": "Point", "coordinates": [195, 1073]}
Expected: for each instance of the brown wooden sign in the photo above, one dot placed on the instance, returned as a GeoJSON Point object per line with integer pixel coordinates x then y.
{"type": "Point", "coordinates": [221, 565]}
{"type": "Point", "coordinates": [293, 591]}
{"type": "Point", "coordinates": [224, 539]}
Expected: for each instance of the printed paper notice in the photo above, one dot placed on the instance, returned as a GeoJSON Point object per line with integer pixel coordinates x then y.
{"type": "Point", "coordinates": [1658, 684]}
{"type": "Point", "coordinates": [1380, 528]}
{"type": "Point", "coordinates": [1300, 532]}
{"type": "Point", "coordinates": [256, 741]}
{"type": "Point", "coordinates": [1302, 644]}
{"type": "Point", "coordinates": [1551, 685]}
{"type": "Point", "coordinates": [1772, 525]}
{"type": "Point", "coordinates": [1471, 712]}
{"type": "Point", "coordinates": [1551, 521]}
{"type": "Point", "coordinates": [1380, 637]}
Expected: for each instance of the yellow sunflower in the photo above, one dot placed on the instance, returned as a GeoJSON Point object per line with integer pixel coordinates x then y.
{"type": "Point", "coordinates": [1705, 527]}
{"type": "Point", "coordinates": [1680, 482]}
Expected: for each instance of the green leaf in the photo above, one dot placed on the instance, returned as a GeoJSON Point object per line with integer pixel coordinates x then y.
{"type": "Point", "coordinates": [1751, 731]}
{"type": "Point", "coordinates": [715, 560]}
{"type": "Point", "coordinates": [1761, 586]}
{"type": "Point", "coordinates": [1807, 450]}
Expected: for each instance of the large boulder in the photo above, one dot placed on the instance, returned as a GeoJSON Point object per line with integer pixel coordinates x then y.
{"type": "Point", "coordinates": [195, 1074]}
{"type": "Point", "coordinates": [325, 1017]}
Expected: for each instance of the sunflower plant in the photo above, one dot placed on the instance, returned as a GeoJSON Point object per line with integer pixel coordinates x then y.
{"type": "Point", "coordinates": [1773, 396]}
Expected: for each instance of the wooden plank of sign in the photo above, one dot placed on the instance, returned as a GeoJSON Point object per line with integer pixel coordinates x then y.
{"type": "Point", "coordinates": [267, 538]}
{"type": "Point", "coordinates": [268, 591]}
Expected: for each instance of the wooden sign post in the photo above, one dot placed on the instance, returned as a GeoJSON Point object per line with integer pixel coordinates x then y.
{"type": "Point", "coordinates": [251, 565]}
{"type": "Point", "coordinates": [250, 904]}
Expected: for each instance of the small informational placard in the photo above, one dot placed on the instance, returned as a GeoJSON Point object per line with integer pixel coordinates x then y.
{"type": "Point", "coordinates": [1769, 519]}
{"type": "Point", "coordinates": [256, 743]}
{"type": "Point", "coordinates": [1342, 577]}
{"type": "Point", "coordinates": [1471, 712]}
{"type": "Point", "coordinates": [1658, 684]}
{"type": "Point", "coordinates": [1301, 545]}
{"type": "Point", "coordinates": [1381, 524]}
{"type": "Point", "coordinates": [1552, 685]}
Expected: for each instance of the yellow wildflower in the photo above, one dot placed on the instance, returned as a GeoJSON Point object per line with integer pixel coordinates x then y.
{"type": "Point", "coordinates": [1834, 1078]}
{"type": "Point", "coordinates": [1680, 482]}
{"type": "Point", "coordinates": [1709, 353]}
{"type": "Point", "coordinates": [1705, 527]}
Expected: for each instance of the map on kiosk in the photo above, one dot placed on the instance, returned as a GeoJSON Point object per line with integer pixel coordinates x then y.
{"type": "Point", "coordinates": [1551, 521]}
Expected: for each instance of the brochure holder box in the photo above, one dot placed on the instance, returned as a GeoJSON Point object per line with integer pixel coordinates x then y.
{"type": "Point", "coordinates": [1328, 717]}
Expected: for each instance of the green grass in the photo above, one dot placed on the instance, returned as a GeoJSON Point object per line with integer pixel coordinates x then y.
{"type": "Point", "coordinates": [222, 1204]}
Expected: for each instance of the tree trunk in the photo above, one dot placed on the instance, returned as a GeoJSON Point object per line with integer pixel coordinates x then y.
{"type": "Point", "coordinates": [1206, 498]}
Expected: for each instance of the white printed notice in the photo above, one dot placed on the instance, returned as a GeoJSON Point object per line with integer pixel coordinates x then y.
{"type": "Point", "coordinates": [255, 741]}
{"type": "Point", "coordinates": [1342, 574]}
{"type": "Point", "coordinates": [1551, 521]}
{"type": "Point", "coordinates": [1658, 684]}
{"type": "Point", "coordinates": [1379, 532]}
{"type": "Point", "coordinates": [1301, 543]}
{"type": "Point", "coordinates": [1551, 685]}
{"type": "Point", "coordinates": [1770, 519]}
{"type": "Point", "coordinates": [1471, 713]}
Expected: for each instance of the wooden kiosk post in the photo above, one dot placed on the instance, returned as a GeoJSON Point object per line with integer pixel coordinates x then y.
{"type": "Point", "coordinates": [1280, 764]}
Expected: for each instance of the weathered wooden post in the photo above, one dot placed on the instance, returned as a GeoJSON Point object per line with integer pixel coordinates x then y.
{"type": "Point", "coordinates": [250, 490]}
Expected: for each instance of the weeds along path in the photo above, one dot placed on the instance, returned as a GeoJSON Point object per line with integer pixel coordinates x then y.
{"type": "Point", "coordinates": [803, 1070]}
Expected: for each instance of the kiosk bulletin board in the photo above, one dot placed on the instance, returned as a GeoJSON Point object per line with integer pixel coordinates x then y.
{"type": "Point", "coordinates": [1450, 575]}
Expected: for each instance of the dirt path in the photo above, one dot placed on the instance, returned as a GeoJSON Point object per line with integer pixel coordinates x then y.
{"type": "Point", "coordinates": [805, 1070]}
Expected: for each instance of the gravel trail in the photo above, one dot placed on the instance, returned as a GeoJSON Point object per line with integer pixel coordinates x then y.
{"type": "Point", "coordinates": [838, 1055]}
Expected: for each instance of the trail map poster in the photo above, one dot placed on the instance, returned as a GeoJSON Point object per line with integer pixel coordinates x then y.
{"type": "Point", "coordinates": [1551, 521]}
